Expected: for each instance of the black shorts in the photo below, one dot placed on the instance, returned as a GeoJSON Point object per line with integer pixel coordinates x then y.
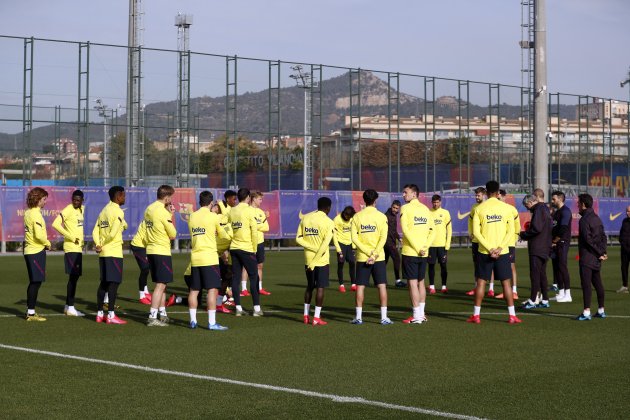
{"type": "Point", "coordinates": [226, 271]}
{"type": "Point", "coordinates": [260, 253]}
{"type": "Point", "coordinates": [36, 266]}
{"type": "Point", "coordinates": [414, 268]}
{"type": "Point", "coordinates": [437, 255]}
{"type": "Point", "coordinates": [205, 277]}
{"type": "Point", "coordinates": [318, 278]}
{"type": "Point", "coordinates": [378, 271]}
{"type": "Point", "coordinates": [500, 267]}
{"type": "Point", "coordinates": [74, 263]}
{"type": "Point", "coordinates": [161, 268]}
{"type": "Point", "coordinates": [111, 269]}
{"type": "Point", "coordinates": [348, 253]}
{"type": "Point", "coordinates": [475, 257]}
{"type": "Point", "coordinates": [140, 254]}
{"type": "Point", "coordinates": [512, 254]}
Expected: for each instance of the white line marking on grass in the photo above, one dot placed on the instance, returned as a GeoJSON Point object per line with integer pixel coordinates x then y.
{"type": "Point", "coordinates": [332, 397]}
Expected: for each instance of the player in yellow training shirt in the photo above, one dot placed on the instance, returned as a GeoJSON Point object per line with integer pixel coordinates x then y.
{"type": "Point", "coordinates": [418, 235]}
{"type": "Point", "coordinates": [493, 226]}
{"type": "Point", "coordinates": [160, 232]}
{"type": "Point", "coordinates": [223, 249]}
{"type": "Point", "coordinates": [517, 231]}
{"type": "Point", "coordinates": [438, 253]}
{"type": "Point", "coordinates": [108, 241]}
{"type": "Point", "coordinates": [344, 248]}
{"type": "Point", "coordinates": [204, 227]}
{"type": "Point", "coordinates": [139, 251]}
{"type": "Point", "coordinates": [243, 250]}
{"type": "Point", "coordinates": [36, 244]}
{"type": "Point", "coordinates": [69, 223]}
{"type": "Point", "coordinates": [369, 233]}
{"type": "Point", "coordinates": [480, 194]}
{"type": "Point", "coordinates": [263, 226]}
{"type": "Point", "coordinates": [314, 235]}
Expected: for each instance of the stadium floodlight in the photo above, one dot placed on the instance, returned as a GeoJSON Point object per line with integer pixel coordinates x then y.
{"type": "Point", "coordinates": [305, 81]}
{"type": "Point", "coordinates": [102, 112]}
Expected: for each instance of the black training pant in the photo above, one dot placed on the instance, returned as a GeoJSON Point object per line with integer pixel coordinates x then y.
{"type": "Point", "coordinates": [392, 251]}
{"type": "Point", "coordinates": [560, 266]}
{"type": "Point", "coordinates": [589, 277]}
{"type": "Point", "coordinates": [538, 276]}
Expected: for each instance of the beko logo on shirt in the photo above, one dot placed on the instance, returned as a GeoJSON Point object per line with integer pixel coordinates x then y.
{"type": "Point", "coordinates": [438, 221]}
{"type": "Point", "coordinates": [492, 218]}
{"type": "Point", "coordinates": [367, 228]}
{"type": "Point", "coordinates": [419, 220]}
{"type": "Point", "coordinates": [346, 229]}
{"type": "Point", "coordinates": [79, 222]}
{"type": "Point", "coordinates": [311, 231]}
{"type": "Point", "coordinates": [103, 224]}
{"type": "Point", "coordinates": [237, 225]}
{"type": "Point", "coordinates": [149, 224]}
{"type": "Point", "coordinates": [198, 231]}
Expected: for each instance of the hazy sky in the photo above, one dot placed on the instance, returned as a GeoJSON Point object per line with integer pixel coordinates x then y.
{"type": "Point", "coordinates": [588, 41]}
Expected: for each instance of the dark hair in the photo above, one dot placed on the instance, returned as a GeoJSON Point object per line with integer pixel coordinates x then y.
{"type": "Point", "coordinates": [229, 193]}
{"type": "Point", "coordinates": [34, 196]}
{"type": "Point", "coordinates": [205, 198]}
{"type": "Point", "coordinates": [586, 199]}
{"type": "Point", "coordinates": [77, 193]}
{"type": "Point", "coordinates": [324, 203]}
{"type": "Point", "coordinates": [113, 191]}
{"type": "Point", "coordinates": [348, 213]}
{"type": "Point", "coordinates": [242, 194]}
{"type": "Point", "coordinates": [369, 196]}
{"type": "Point", "coordinates": [492, 187]}
{"type": "Point", "coordinates": [412, 187]}
{"type": "Point", "coordinates": [436, 197]}
{"type": "Point", "coordinates": [396, 203]}
{"type": "Point", "coordinates": [559, 194]}
{"type": "Point", "coordinates": [502, 192]}
{"type": "Point", "coordinates": [480, 190]}
{"type": "Point", "coordinates": [165, 191]}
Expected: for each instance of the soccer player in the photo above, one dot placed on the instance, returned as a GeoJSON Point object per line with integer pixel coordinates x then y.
{"type": "Point", "coordinates": [243, 251]}
{"type": "Point", "coordinates": [108, 242]}
{"type": "Point", "coordinates": [205, 226]}
{"type": "Point", "coordinates": [624, 241]}
{"type": "Point", "coordinates": [36, 244]}
{"type": "Point", "coordinates": [441, 244]}
{"type": "Point", "coordinates": [369, 233]}
{"type": "Point", "coordinates": [160, 231]}
{"type": "Point", "coordinates": [561, 233]}
{"type": "Point", "coordinates": [69, 223]}
{"type": "Point", "coordinates": [493, 227]}
{"type": "Point", "coordinates": [314, 234]}
{"type": "Point", "coordinates": [517, 231]}
{"type": "Point", "coordinates": [592, 251]}
{"type": "Point", "coordinates": [263, 226]}
{"type": "Point", "coordinates": [223, 251]}
{"type": "Point", "coordinates": [418, 228]}
{"type": "Point", "coordinates": [480, 193]}
{"type": "Point", "coordinates": [139, 250]}
{"type": "Point", "coordinates": [344, 247]}
{"type": "Point", "coordinates": [391, 245]}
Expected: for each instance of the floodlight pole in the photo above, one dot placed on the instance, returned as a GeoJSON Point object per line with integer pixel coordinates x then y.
{"type": "Point", "coordinates": [305, 81]}
{"type": "Point", "coordinates": [541, 150]}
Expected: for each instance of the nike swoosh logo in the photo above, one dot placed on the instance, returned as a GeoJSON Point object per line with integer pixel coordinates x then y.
{"type": "Point", "coordinates": [461, 216]}
{"type": "Point", "coordinates": [614, 216]}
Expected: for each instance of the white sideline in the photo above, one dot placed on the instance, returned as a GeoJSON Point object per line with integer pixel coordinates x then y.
{"type": "Point", "coordinates": [332, 397]}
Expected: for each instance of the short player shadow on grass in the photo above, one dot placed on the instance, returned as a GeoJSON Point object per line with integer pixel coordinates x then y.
{"type": "Point", "coordinates": [13, 311]}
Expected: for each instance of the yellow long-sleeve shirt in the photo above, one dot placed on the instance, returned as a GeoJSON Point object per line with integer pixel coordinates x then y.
{"type": "Point", "coordinates": [341, 234]}
{"type": "Point", "coordinates": [140, 238]}
{"type": "Point", "coordinates": [244, 228]}
{"type": "Point", "coordinates": [418, 229]}
{"type": "Point", "coordinates": [69, 223]}
{"type": "Point", "coordinates": [160, 229]}
{"type": "Point", "coordinates": [314, 234]}
{"type": "Point", "coordinates": [107, 232]}
{"type": "Point", "coordinates": [369, 233]}
{"type": "Point", "coordinates": [470, 222]}
{"type": "Point", "coordinates": [261, 223]}
{"type": "Point", "coordinates": [224, 244]}
{"type": "Point", "coordinates": [517, 224]}
{"type": "Point", "coordinates": [443, 228]}
{"type": "Point", "coordinates": [493, 226]}
{"type": "Point", "coordinates": [204, 227]}
{"type": "Point", "coordinates": [35, 236]}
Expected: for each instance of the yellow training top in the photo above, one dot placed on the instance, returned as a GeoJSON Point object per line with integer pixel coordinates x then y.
{"type": "Point", "coordinates": [160, 229]}
{"type": "Point", "coordinates": [69, 223]}
{"type": "Point", "coordinates": [35, 236]}
{"type": "Point", "coordinates": [224, 244]}
{"type": "Point", "coordinates": [341, 234]}
{"type": "Point", "coordinates": [314, 234]}
{"type": "Point", "coordinates": [369, 233]}
{"type": "Point", "coordinates": [108, 230]}
{"type": "Point", "coordinates": [244, 228]}
{"type": "Point", "coordinates": [261, 223]}
{"type": "Point", "coordinates": [417, 227]}
{"type": "Point", "coordinates": [140, 238]}
{"type": "Point", "coordinates": [517, 224]}
{"type": "Point", "coordinates": [470, 221]}
{"type": "Point", "coordinates": [204, 226]}
{"type": "Point", "coordinates": [493, 226]}
{"type": "Point", "coordinates": [443, 228]}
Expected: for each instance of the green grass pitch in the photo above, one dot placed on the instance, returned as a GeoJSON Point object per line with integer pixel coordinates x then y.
{"type": "Point", "coordinates": [550, 366]}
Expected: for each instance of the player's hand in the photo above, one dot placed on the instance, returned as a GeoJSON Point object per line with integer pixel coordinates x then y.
{"type": "Point", "coordinates": [310, 268]}
{"type": "Point", "coordinates": [603, 257]}
{"type": "Point", "coordinates": [340, 256]}
{"type": "Point", "coordinates": [47, 248]}
{"type": "Point", "coordinates": [423, 253]}
{"type": "Point", "coordinates": [225, 256]}
{"type": "Point", "coordinates": [76, 241]}
{"type": "Point", "coordinates": [98, 248]}
{"type": "Point", "coordinates": [267, 214]}
{"type": "Point", "coordinates": [370, 261]}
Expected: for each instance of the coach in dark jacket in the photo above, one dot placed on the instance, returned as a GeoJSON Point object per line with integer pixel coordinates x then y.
{"type": "Point", "coordinates": [561, 233]}
{"type": "Point", "coordinates": [592, 250]}
{"type": "Point", "coordinates": [538, 237]}
{"type": "Point", "coordinates": [624, 240]}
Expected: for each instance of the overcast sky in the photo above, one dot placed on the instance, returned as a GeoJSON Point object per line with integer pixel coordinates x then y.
{"type": "Point", "coordinates": [588, 41]}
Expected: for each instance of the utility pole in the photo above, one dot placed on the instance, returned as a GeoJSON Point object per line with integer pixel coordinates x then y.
{"type": "Point", "coordinates": [304, 81]}
{"type": "Point", "coordinates": [102, 112]}
{"type": "Point", "coordinates": [182, 163]}
{"type": "Point", "coordinates": [135, 147]}
{"type": "Point", "coordinates": [541, 150]}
